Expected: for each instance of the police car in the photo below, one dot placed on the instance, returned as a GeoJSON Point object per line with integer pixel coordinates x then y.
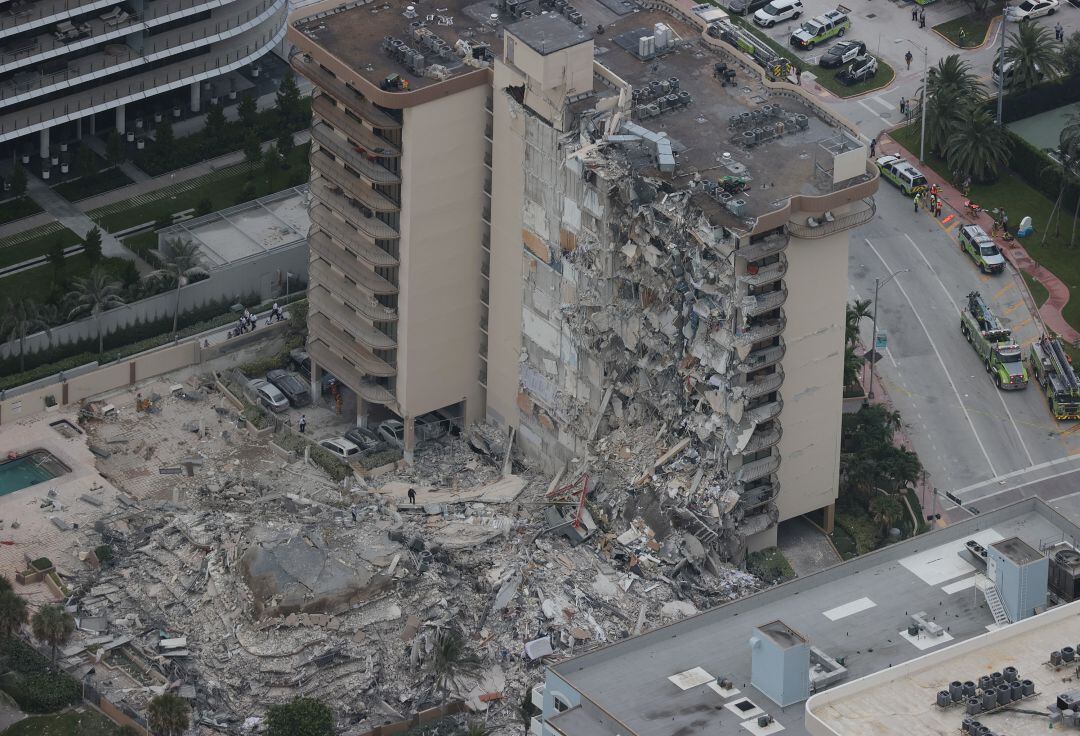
{"type": "Point", "coordinates": [902, 174]}
{"type": "Point", "coordinates": [981, 247]}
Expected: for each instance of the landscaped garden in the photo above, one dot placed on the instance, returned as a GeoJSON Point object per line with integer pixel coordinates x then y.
{"type": "Point", "coordinates": [829, 79]}
{"type": "Point", "coordinates": [974, 25]}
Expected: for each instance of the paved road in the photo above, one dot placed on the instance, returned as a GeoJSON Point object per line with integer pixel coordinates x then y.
{"type": "Point", "coordinates": [964, 429]}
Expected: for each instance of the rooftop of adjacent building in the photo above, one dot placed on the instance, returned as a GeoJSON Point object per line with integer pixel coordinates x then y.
{"type": "Point", "coordinates": [1017, 550]}
{"type": "Point", "coordinates": [859, 611]}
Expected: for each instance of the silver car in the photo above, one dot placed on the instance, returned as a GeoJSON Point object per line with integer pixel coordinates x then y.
{"type": "Point", "coordinates": [267, 395]}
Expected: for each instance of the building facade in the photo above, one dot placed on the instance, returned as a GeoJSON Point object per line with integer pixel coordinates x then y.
{"type": "Point", "coordinates": [517, 239]}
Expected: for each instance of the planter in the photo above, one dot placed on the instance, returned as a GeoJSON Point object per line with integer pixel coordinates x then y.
{"type": "Point", "coordinates": [131, 136]}
{"type": "Point", "coordinates": [157, 117]}
{"type": "Point", "coordinates": [256, 71]}
{"type": "Point", "coordinates": [55, 160]}
{"type": "Point", "coordinates": [232, 94]}
{"type": "Point", "coordinates": [64, 168]}
{"type": "Point", "coordinates": [213, 100]}
{"type": "Point", "coordinates": [138, 123]}
{"type": "Point", "coordinates": [45, 174]}
{"type": "Point", "coordinates": [140, 144]}
{"type": "Point", "coordinates": [63, 147]}
{"type": "Point", "coordinates": [176, 112]}
{"type": "Point", "coordinates": [26, 158]}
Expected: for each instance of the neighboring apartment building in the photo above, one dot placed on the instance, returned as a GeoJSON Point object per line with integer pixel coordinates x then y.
{"type": "Point", "coordinates": [568, 238]}
{"type": "Point", "coordinates": [69, 62]}
{"type": "Point", "coordinates": [863, 648]}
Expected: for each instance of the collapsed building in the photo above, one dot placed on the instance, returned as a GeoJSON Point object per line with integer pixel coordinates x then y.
{"type": "Point", "coordinates": [629, 229]}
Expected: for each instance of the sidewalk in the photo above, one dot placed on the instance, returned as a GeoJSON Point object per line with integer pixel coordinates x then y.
{"type": "Point", "coordinates": [1050, 312]}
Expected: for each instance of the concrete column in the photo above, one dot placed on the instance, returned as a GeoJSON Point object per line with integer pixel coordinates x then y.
{"type": "Point", "coordinates": [121, 119]}
{"type": "Point", "coordinates": [78, 129]}
{"type": "Point", "coordinates": [314, 382]}
{"type": "Point", "coordinates": [361, 412]}
{"type": "Point", "coordinates": [830, 518]}
{"type": "Point", "coordinates": [196, 96]}
{"type": "Point", "coordinates": [410, 439]}
{"type": "Point", "coordinates": [93, 124]}
{"type": "Point", "coordinates": [45, 143]}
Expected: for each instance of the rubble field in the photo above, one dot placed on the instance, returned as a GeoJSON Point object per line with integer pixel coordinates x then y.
{"type": "Point", "coordinates": [242, 577]}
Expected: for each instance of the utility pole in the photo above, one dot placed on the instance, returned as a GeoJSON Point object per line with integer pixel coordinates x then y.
{"type": "Point", "coordinates": [1001, 67]}
{"type": "Point", "coordinates": [878, 283]}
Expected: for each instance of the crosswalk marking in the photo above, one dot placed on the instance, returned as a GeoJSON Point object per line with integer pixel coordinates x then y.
{"type": "Point", "coordinates": [884, 103]}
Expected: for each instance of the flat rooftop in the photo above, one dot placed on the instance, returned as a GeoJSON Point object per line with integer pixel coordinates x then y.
{"type": "Point", "coordinates": [704, 144]}
{"type": "Point", "coordinates": [859, 611]}
{"type": "Point", "coordinates": [1017, 550]}
{"type": "Point", "coordinates": [355, 33]}
{"type": "Point", "coordinates": [548, 33]}
{"type": "Point", "coordinates": [248, 229]}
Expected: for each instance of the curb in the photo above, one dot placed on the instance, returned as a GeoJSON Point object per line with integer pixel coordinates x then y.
{"type": "Point", "coordinates": [833, 95]}
{"type": "Point", "coordinates": [986, 38]}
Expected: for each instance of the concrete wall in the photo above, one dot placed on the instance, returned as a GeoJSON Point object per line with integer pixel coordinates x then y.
{"type": "Point", "coordinates": [813, 373]}
{"type": "Point", "coordinates": [258, 274]}
{"type": "Point", "coordinates": [780, 672]}
{"type": "Point", "coordinates": [442, 172]}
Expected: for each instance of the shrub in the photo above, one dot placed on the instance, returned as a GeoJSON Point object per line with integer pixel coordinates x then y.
{"type": "Point", "coordinates": [41, 692]}
{"type": "Point", "coordinates": [770, 565]}
{"type": "Point", "coordinates": [104, 553]}
{"type": "Point", "coordinates": [322, 457]}
{"type": "Point", "coordinates": [41, 563]}
{"type": "Point", "coordinates": [380, 458]}
{"type": "Point", "coordinates": [18, 656]}
{"type": "Point", "coordinates": [258, 368]}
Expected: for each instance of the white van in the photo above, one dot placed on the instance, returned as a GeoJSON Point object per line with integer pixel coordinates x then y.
{"type": "Point", "coordinates": [777, 11]}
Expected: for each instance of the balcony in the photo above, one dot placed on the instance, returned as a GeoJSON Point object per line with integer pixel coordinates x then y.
{"type": "Point", "coordinates": [353, 242]}
{"type": "Point", "coordinates": [342, 369]}
{"type": "Point", "coordinates": [362, 276]}
{"type": "Point", "coordinates": [766, 274]}
{"type": "Point", "coordinates": [766, 302]}
{"type": "Point", "coordinates": [488, 130]}
{"type": "Point", "coordinates": [760, 495]}
{"type": "Point", "coordinates": [324, 107]}
{"type": "Point", "coordinates": [337, 313]}
{"type": "Point", "coordinates": [334, 337]}
{"type": "Point", "coordinates": [764, 438]}
{"type": "Point", "coordinates": [370, 226]}
{"type": "Point", "coordinates": [764, 384]}
{"type": "Point", "coordinates": [763, 248]}
{"type": "Point", "coordinates": [487, 214]}
{"type": "Point", "coordinates": [487, 159]}
{"type": "Point", "coordinates": [763, 330]}
{"type": "Point", "coordinates": [764, 412]}
{"type": "Point", "coordinates": [351, 182]}
{"type": "Point", "coordinates": [487, 186]}
{"type": "Point", "coordinates": [365, 306]}
{"type": "Point", "coordinates": [358, 162]}
{"type": "Point", "coordinates": [762, 358]}
{"type": "Point", "coordinates": [344, 94]}
{"type": "Point", "coordinates": [862, 214]}
{"type": "Point", "coordinates": [758, 469]}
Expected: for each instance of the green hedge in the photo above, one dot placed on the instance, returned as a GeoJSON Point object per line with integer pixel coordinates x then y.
{"type": "Point", "coordinates": [322, 457]}
{"type": "Point", "coordinates": [1041, 172]}
{"type": "Point", "coordinates": [18, 656]}
{"type": "Point", "coordinates": [1038, 99]}
{"type": "Point", "coordinates": [30, 681]}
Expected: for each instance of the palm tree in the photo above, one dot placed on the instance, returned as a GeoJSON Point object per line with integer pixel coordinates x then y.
{"type": "Point", "coordinates": [23, 317]}
{"type": "Point", "coordinates": [1069, 150]}
{"type": "Point", "coordinates": [182, 263]}
{"type": "Point", "coordinates": [978, 146]}
{"type": "Point", "coordinates": [169, 715]}
{"type": "Point", "coordinates": [857, 311]}
{"type": "Point", "coordinates": [12, 610]}
{"type": "Point", "coordinates": [951, 79]}
{"type": "Point", "coordinates": [52, 625]}
{"type": "Point", "coordinates": [886, 510]}
{"type": "Point", "coordinates": [93, 295]}
{"type": "Point", "coordinates": [451, 660]}
{"type": "Point", "coordinates": [1035, 54]}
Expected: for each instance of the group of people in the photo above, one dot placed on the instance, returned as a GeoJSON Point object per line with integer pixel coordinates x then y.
{"type": "Point", "coordinates": [277, 314]}
{"type": "Point", "coordinates": [918, 15]}
{"type": "Point", "coordinates": [933, 202]}
{"type": "Point", "coordinates": [247, 323]}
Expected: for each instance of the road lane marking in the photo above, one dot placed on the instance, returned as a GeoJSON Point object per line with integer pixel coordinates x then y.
{"type": "Point", "coordinates": [1013, 308]}
{"type": "Point", "coordinates": [937, 354]}
{"type": "Point", "coordinates": [997, 392]}
{"type": "Point", "coordinates": [1013, 473]}
{"type": "Point", "coordinates": [873, 112]}
{"type": "Point", "coordinates": [1002, 290]}
{"type": "Point", "coordinates": [1022, 485]}
{"type": "Point", "coordinates": [889, 107]}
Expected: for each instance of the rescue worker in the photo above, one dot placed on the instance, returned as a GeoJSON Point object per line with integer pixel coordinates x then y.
{"type": "Point", "coordinates": [916, 200]}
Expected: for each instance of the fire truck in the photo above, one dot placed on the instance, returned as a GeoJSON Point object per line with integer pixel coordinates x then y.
{"type": "Point", "coordinates": [1053, 370]}
{"type": "Point", "coordinates": [1001, 357]}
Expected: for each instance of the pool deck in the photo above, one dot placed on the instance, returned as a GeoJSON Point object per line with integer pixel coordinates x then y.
{"type": "Point", "coordinates": [37, 535]}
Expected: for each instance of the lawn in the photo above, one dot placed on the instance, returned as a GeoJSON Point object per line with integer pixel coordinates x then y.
{"type": "Point", "coordinates": [88, 186]}
{"type": "Point", "coordinates": [975, 26]}
{"type": "Point", "coordinates": [37, 283]}
{"type": "Point", "coordinates": [221, 189]}
{"type": "Point", "coordinates": [88, 723]}
{"type": "Point", "coordinates": [142, 243]}
{"type": "Point", "coordinates": [1038, 291]}
{"type": "Point", "coordinates": [827, 78]}
{"type": "Point", "coordinates": [1020, 200]}
{"type": "Point", "coordinates": [36, 242]}
{"type": "Point", "coordinates": [17, 208]}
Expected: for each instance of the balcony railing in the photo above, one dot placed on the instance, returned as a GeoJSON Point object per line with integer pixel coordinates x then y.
{"type": "Point", "coordinates": [336, 201]}
{"type": "Point", "coordinates": [357, 161]}
{"type": "Point", "coordinates": [758, 469]}
{"type": "Point", "coordinates": [764, 385]}
{"type": "Point", "coordinates": [767, 302]}
{"type": "Point", "coordinates": [862, 214]}
{"type": "Point", "coordinates": [351, 182]}
{"type": "Point", "coordinates": [764, 438]}
{"type": "Point", "coordinates": [765, 412]}
{"type": "Point", "coordinates": [763, 248]}
{"type": "Point", "coordinates": [766, 274]}
{"type": "Point", "coordinates": [344, 94]}
{"type": "Point", "coordinates": [759, 496]}
{"type": "Point", "coordinates": [762, 330]}
{"type": "Point", "coordinates": [487, 214]}
{"type": "Point", "coordinates": [324, 107]}
{"type": "Point", "coordinates": [762, 358]}
{"type": "Point", "coordinates": [352, 240]}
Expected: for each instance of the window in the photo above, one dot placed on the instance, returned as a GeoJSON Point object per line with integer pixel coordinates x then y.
{"type": "Point", "coordinates": [560, 704]}
{"type": "Point", "coordinates": [509, 50]}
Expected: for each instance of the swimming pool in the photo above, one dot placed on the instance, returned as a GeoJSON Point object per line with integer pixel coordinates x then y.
{"type": "Point", "coordinates": [30, 469]}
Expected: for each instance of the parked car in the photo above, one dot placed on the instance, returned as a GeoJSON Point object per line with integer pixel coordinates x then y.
{"type": "Point", "coordinates": [841, 53]}
{"type": "Point", "coordinates": [342, 448]}
{"type": "Point", "coordinates": [301, 361]}
{"type": "Point", "coordinates": [290, 384]}
{"type": "Point", "coordinates": [1031, 9]}
{"type": "Point", "coordinates": [902, 174]}
{"type": "Point", "coordinates": [366, 439]}
{"type": "Point", "coordinates": [1010, 67]}
{"type": "Point", "coordinates": [823, 27]}
{"type": "Point", "coordinates": [863, 68]}
{"type": "Point", "coordinates": [778, 10]}
{"type": "Point", "coordinates": [267, 395]}
{"type": "Point", "coordinates": [393, 432]}
{"type": "Point", "coordinates": [745, 7]}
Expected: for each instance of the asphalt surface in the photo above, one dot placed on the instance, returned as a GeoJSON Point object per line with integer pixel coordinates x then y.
{"type": "Point", "coordinates": [973, 439]}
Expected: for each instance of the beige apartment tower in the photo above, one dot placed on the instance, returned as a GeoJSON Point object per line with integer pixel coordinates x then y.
{"type": "Point", "coordinates": [516, 221]}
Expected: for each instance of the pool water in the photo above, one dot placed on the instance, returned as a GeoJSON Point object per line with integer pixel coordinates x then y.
{"type": "Point", "coordinates": [28, 470]}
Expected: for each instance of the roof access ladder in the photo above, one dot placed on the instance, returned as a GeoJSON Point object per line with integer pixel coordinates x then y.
{"type": "Point", "coordinates": [993, 600]}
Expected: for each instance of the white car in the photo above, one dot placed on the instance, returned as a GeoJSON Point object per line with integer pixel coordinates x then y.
{"type": "Point", "coordinates": [1031, 9]}
{"type": "Point", "coordinates": [777, 11]}
{"type": "Point", "coordinates": [342, 448]}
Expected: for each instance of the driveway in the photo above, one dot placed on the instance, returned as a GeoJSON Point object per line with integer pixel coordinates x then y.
{"type": "Point", "coordinates": [805, 547]}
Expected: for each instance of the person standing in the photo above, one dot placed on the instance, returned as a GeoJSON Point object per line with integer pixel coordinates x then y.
{"type": "Point", "coordinates": [914, 13]}
{"type": "Point", "coordinates": [873, 146]}
{"type": "Point", "coordinates": [937, 210]}
{"type": "Point", "coordinates": [303, 424]}
{"type": "Point", "coordinates": [1059, 32]}
{"type": "Point", "coordinates": [922, 18]}
{"type": "Point", "coordinates": [798, 76]}
{"type": "Point", "coordinates": [903, 106]}
{"type": "Point", "coordinates": [962, 37]}
{"type": "Point", "coordinates": [908, 57]}
{"type": "Point", "coordinates": [412, 496]}
{"type": "Point", "coordinates": [916, 200]}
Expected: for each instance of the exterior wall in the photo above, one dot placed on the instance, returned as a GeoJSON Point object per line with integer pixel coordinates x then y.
{"type": "Point", "coordinates": [783, 675]}
{"type": "Point", "coordinates": [813, 365]}
{"type": "Point", "coordinates": [257, 274]}
{"type": "Point", "coordinates": [442, 172]}
{"type": "Point", "coordinates": [1022, 588]}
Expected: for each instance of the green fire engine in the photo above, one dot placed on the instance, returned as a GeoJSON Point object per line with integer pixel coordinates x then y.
{"type": "Point", "coordinates": [1001, 357]}
{"type": "Point", "coordinates": [1054, 372]}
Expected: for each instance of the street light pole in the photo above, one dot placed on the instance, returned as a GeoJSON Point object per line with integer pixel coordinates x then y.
{"type": "Point", "coordinates": [878, 283]}
{"type": "Point", "coordinates": [922, 105]}
{"type": "Point", "coordinates": [1001, 67]}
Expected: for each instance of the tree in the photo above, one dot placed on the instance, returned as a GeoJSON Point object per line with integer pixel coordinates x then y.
{"type": "Point", "coordinates": [164, 141]}
{"type": "Point", "coordinates": [289, 105]}
{"type": "Point", "coordinates": [5, 584]}
{"type": "Point", "coordinates": [252, 152]}
{"type": "Point", "coordinates": [451, 661]}
{"type": "Point", "coordinates": [949, 80]}
{"type": "Point", "coordinates": [182, 262]}
{"type": "Point", "coordinates": [853, 363]}
{"type": "Point", "coordinates": [886, 509]}
{"type": "Point", "coordinates": [22, 317]}
{"type": "Point", "coordinates": [1069, 150]}
{"type": "Point", "coordinates": [978, 7]}
{"type": "Point", "coordinates": [114, 148]}
{"type": "Point", "coordinates": [868, 457]}
{"type": "Point", "coordinates": [285, 144]}
{"type": "Point", "coordinates": [56, 258]}
{"type": "Point", "coordinates": [169, 714]}
{"type": "Point", "coordinates": [204, 207]}
{"type": "Point", "coordinates": [272, 164]}
{"type": "Point", "coordinates": [978, 146]}
{"type": "Point", "coordinates": [95, 294]}
{"type": "Point", "coordinates": [248, 112]}
{"type": "Point", "coordinates": [92, 245]}
{"type": "Point", "coordinates": [1070, 54]}
{"type": "Point", "coordinates": [215, 121]}
{"type": "Point", "coordinates": [301, 717]}
{"type": "Point", "coordinates": [52, 625]}
{"type": "Point", "coordinates": [1034, 53]}
{"type": "Point", "coordinates": [856, 312]}
{"type": "Point", "coordinates": [18, 181]}
{"type": "Point", "coordinates": [12, 611]}
{"type": "Point", "coordinates": [85, 161]}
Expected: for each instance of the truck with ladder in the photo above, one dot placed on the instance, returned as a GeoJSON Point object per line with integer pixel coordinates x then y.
{"type": "Point", "coordinates": [1001, 357]}
{"type": "Point", "coordinates": [1053, 370]}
